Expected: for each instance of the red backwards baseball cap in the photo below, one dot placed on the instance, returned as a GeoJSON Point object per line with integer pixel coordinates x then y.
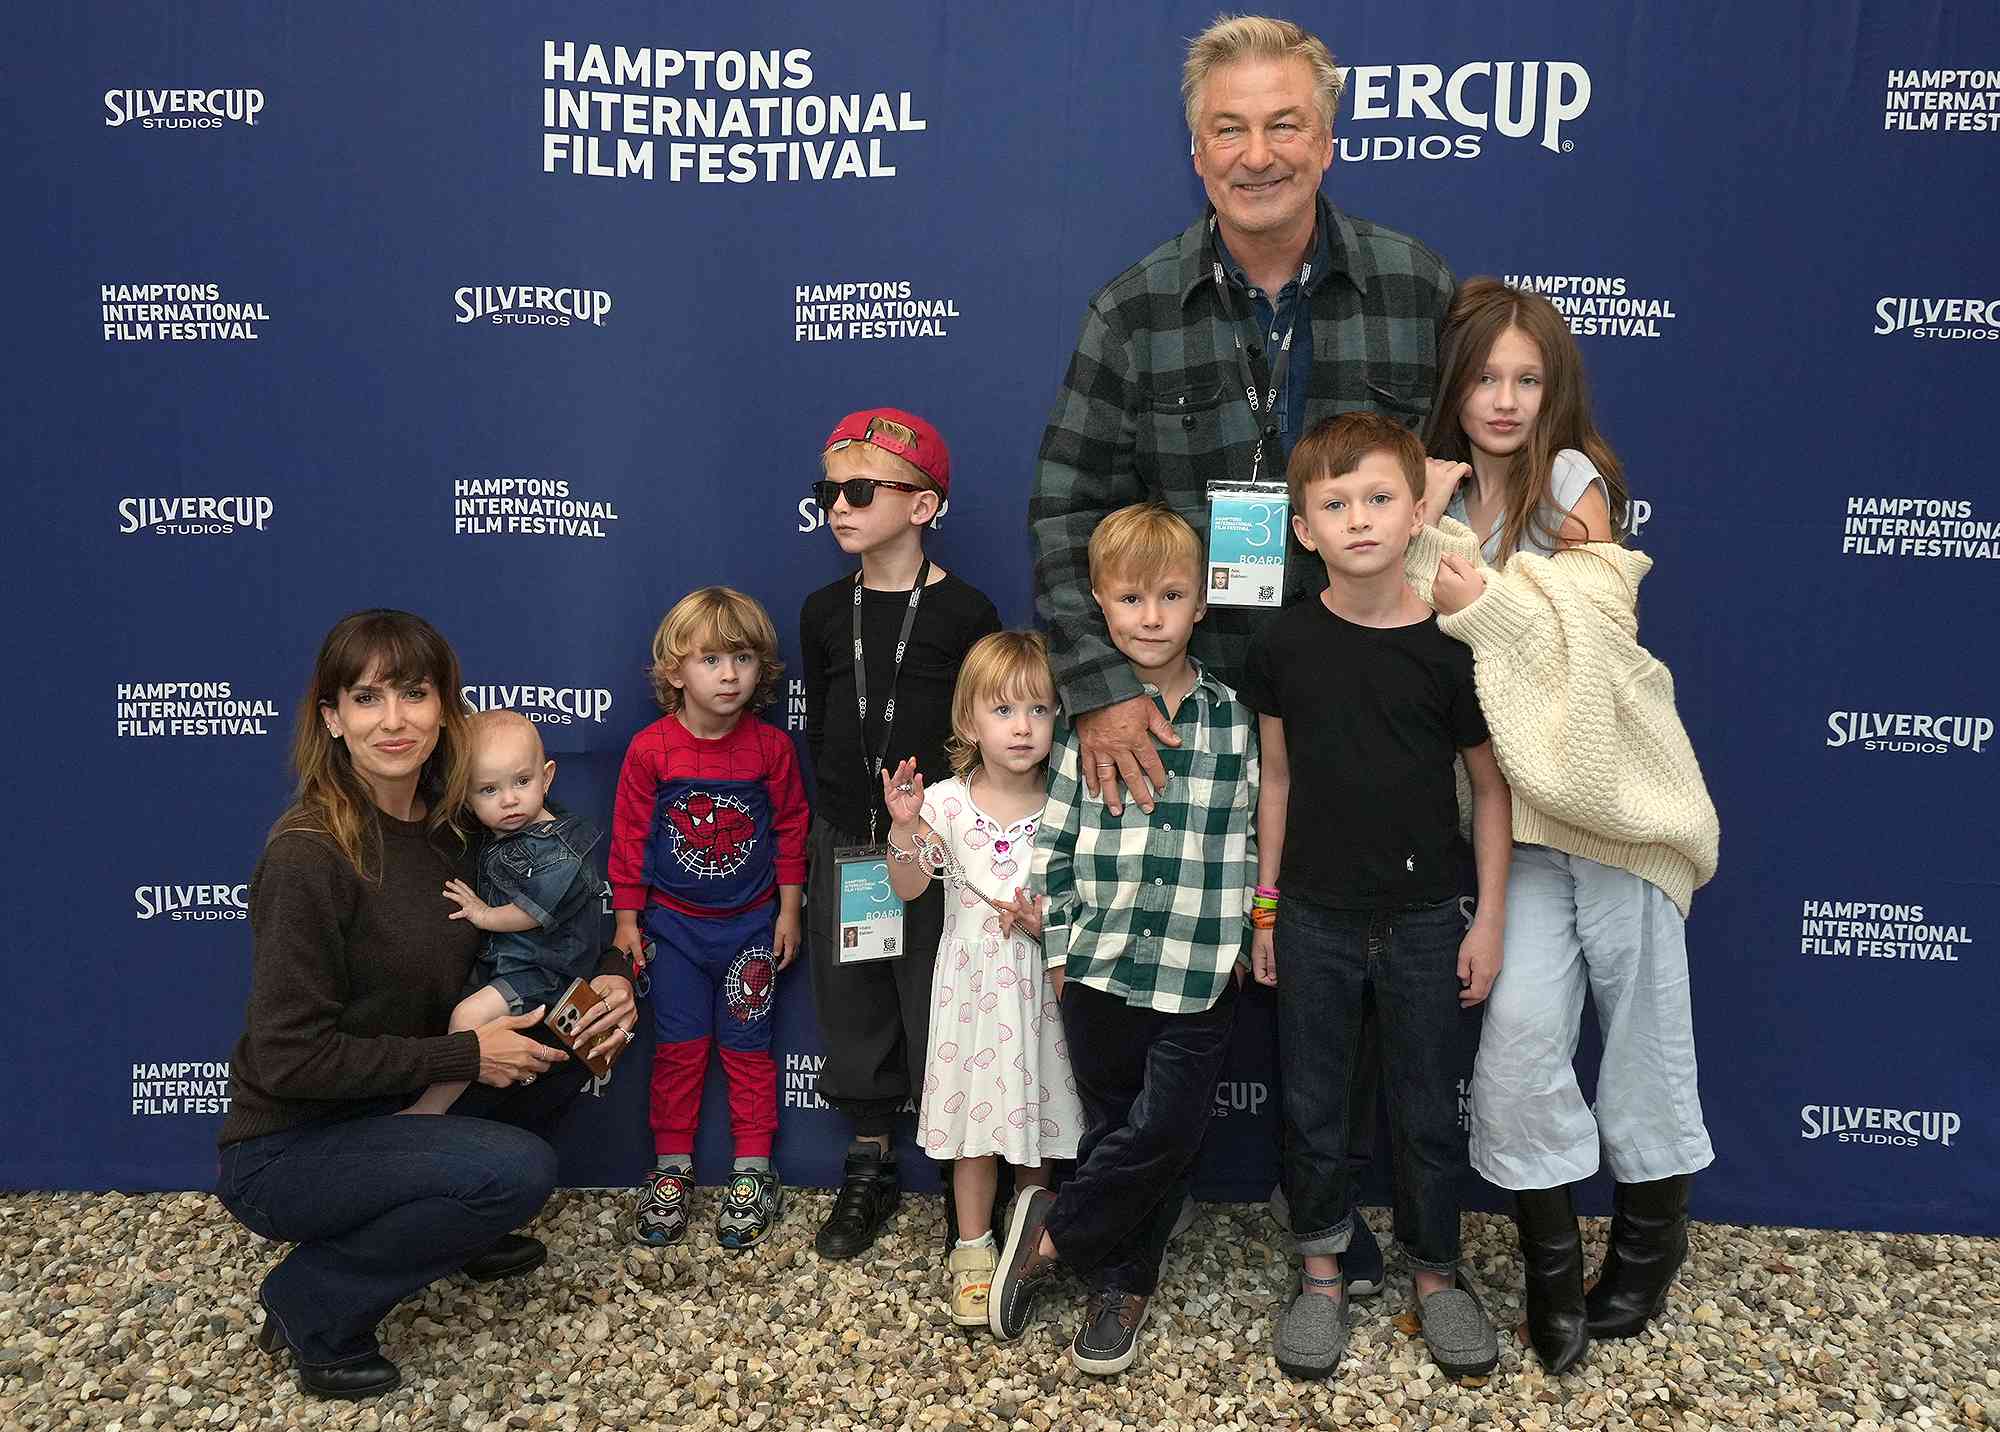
{"type": "Point", "coordinates": [906, 435]}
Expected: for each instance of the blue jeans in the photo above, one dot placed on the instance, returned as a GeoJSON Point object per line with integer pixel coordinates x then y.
{"type": "Point", "coordinates": [381, 1205]}
{"type": "Point", "coordinates": [1147, 1084]}
{"type": "Point", "coordinates": [1329, 962]}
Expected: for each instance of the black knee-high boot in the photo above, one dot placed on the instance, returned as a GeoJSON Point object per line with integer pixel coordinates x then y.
{"type": "Point", "coordinates": [1648, 1244]}
{"type": "Point", "coordinates": [1552, 1252]}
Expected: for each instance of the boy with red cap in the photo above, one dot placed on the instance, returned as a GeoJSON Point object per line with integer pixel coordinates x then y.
{"type": "Point", "coordinates": [881, 648]}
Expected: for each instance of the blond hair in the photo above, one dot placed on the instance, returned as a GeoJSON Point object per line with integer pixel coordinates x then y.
{"type": "Point", "coordinates": [1006, 666]}
{"type": "Point", "coordinates": [719, 619]}
{"type": "Point", "coordinates": [1258, 37]}
{"type": "Point", "coordinates": [486, 725]}
{"type": "Point", "coordinates": [1142, 543]}
{"type": "Point", "coordinates": [909, 471]}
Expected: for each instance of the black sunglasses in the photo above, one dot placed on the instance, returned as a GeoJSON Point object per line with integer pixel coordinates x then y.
{"type": "Point", "coordinates": [859, 491]}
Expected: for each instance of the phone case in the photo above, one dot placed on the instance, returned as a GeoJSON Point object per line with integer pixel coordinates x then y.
{"type": "Point", "coordinates": [576, 1002]}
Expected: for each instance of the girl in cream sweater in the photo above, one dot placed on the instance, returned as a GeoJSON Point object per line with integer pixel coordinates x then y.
{"type": "Point", "coordinates": [1613, 826]}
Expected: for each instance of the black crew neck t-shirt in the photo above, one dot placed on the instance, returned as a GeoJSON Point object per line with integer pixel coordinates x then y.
{"type": "Point", "coordinates": [1373, 719]}
{"type": "Point", "coordinates": [950, 618]}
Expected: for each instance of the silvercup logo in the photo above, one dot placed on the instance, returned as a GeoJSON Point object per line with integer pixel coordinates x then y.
{"type": "Point", "coordinates": [1241, 1096]}
{"type": "Point", "coordinates": [1977, 319]}
{"type": "Point", "coordinates": [1516, 99]}
{"type": "Point", "coordinates": [193, 516]}
{"type": "Point", "coordinates": [1908, 732]}
{"type": "Point", "coordinates": [544, 705]}
{"type": "Point", "coordinates": [1862, 1124]}
{"type": "Point", "coordinates": [181, 108]}
{"type": "Point", "coordinates": [533, 306]}
{"type": "Point", "coordinates": [191, 902]}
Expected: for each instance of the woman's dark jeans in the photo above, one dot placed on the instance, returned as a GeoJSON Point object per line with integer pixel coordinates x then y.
{"type": "Point", "coordinates": [1328, 963]}
{"type": "Point", "coordinates": [382, 1204]}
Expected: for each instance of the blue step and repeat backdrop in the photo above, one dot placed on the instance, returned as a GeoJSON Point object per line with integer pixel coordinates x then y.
{"type": "Point", "coordinates": [531, 318]}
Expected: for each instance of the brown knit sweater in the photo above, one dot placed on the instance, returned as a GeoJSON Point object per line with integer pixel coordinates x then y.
{"type": "Point", "coordinates": [351, 980]}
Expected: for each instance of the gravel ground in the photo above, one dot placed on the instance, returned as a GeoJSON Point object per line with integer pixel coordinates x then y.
{"type": "Point", "coordinates": [129, 1312]}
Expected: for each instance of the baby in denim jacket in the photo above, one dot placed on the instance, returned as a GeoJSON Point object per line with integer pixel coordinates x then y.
{"type": "Point", "coordinates": [538, 888]}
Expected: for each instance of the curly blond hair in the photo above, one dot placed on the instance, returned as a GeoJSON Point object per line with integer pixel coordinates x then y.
{"type": "Point", "coordinates": [714, 619]}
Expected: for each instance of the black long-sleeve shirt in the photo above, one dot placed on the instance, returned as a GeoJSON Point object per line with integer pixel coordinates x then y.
{"type": "Point", "coordinates": [950, 618]}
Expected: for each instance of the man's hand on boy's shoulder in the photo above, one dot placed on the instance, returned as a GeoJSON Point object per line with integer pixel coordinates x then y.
{"type": "Point", "coordinates": [1479, 955]}
{"type": "Point", "coordinates": [1117, 748]}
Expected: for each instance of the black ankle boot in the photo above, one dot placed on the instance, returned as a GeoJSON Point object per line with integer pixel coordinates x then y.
{"type": "Point", "coordinates": [1648, 1244]}
{"type": "Point", "coordinates": [1552, 1252]}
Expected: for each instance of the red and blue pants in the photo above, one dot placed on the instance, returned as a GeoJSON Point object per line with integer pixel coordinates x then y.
{"type": "Point", "coordinates": [714, 978]}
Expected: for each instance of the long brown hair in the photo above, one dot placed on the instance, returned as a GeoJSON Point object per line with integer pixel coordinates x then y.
{"type": "Point", "coordinates": [1484, 309]}
{"type": "Point", "coordinates": [332, 799]}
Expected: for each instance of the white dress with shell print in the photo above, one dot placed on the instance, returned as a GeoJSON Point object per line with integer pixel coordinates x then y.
{"type": "Point", "coordinates": [996, 1078]}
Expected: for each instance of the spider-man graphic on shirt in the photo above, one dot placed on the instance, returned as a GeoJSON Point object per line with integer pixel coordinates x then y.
{"type": "Point", "coordinates": [703, 833]}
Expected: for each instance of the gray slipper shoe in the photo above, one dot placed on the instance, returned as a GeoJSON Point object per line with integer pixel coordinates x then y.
{"type": "Point", "coordinates": [1458, 1332]}
{"type": "Point", "coordinates": [1311, 1335]}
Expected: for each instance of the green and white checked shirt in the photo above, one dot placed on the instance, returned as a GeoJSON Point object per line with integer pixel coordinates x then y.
{"type": "Point", "coordinates": [1150, 908]}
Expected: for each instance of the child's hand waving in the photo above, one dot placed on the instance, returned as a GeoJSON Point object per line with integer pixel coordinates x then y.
{"type": "Point", "coordinates": [1458, 585]}
{"type": "Point", "coordinates": [903, 792]}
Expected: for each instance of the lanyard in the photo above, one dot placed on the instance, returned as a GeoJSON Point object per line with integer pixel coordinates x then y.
{"type": "Point", "coordinates": [1265, 413]}
{"type": "Point", "coordinates": [873, 764]}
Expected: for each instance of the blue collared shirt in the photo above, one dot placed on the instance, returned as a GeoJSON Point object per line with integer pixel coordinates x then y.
{"type": "Point", "coordinates": [1292, 308]}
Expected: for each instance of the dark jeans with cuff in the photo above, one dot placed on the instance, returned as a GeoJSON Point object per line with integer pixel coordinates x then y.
{"type": "Point", "coordinates": [1329, 963]}
{"type": "Point", "coordinates": [381, 1204]}
{"type": "Point", "coordinates": [1147, 1084]}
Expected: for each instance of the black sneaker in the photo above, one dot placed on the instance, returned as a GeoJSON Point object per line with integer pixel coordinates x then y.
{"type": "Point", "coordinates": [750, 1208]}
{"type": "Point", "coordinates": [1109, 1338]}
{"type": "Point", "coordinates": [663, 1208]}
{"type": "Point", "coordinates": [1024, 1272]}
{"type": "Point", "coordinates": [868, 1197]}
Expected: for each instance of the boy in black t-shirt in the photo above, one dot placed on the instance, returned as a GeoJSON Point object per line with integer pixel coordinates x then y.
{"type": "Point", "coordinates": [887, 475]}
{"type": "Point", "coordinates": [1362, 703]}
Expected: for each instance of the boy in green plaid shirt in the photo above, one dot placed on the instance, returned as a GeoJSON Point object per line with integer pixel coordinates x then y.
{"type": "Point", "coordinates": [1145, 935]}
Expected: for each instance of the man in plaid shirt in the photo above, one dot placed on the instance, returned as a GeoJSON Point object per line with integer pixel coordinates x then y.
{"type": "Point", "coordinates": [1155, 406]}
{"type": "Point", "coordinates": [1143, 930]}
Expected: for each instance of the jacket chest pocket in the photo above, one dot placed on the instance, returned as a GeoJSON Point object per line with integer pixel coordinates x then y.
{"type": "Point", "coordinates": [1186, 420]}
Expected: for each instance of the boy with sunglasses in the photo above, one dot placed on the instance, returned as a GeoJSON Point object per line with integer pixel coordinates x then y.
{"type": "Point", "coordinates": [881, 648]}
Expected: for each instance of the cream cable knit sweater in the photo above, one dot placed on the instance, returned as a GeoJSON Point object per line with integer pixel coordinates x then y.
{"type": "Point", "coordinates": [1582, 716]}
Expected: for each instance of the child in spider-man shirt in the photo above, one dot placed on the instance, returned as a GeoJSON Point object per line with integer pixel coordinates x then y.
{"type": "Point", "coordinates": [708, 856]}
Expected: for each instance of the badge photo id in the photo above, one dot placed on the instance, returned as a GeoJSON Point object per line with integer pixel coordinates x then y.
{"type": "Point", "coordinates": [871, 914]}
{"type": "Point", "coordinates": [1246, 545]}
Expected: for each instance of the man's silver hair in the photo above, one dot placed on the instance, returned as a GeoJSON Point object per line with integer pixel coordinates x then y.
{"type": "Point", "coordinates": [1241, 37]}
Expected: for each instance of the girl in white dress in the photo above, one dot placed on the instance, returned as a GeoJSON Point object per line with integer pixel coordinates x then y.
{"type": "Point", "coordinates": [997, 1082]}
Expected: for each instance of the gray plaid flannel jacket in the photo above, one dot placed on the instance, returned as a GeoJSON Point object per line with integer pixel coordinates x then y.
{"type": "Point", "coordinates": [1153, 409]}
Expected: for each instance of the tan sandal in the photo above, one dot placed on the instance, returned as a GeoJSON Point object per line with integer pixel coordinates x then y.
{"type": "Point", "coordinates": [971, 1283]}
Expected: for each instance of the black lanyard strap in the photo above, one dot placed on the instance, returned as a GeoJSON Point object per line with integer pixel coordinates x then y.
{"type": "Point", "coordinates": [873, 764]}
{"type": "Point", "coordinates": [1264, 414]}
